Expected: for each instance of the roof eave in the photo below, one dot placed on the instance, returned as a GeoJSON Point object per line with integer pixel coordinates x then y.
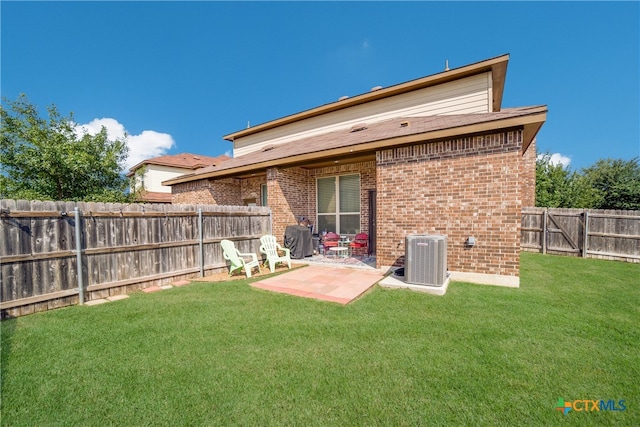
{"type": "Point", "coordinates": [531, 124]}
{"type": "Point", "coordinates": [497, 65]}
{"type": "Point", "coordinates": [169, 163]}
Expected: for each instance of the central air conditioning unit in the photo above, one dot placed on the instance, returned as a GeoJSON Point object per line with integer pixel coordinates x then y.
{"type": "Point", "coordinates": [426, 259]}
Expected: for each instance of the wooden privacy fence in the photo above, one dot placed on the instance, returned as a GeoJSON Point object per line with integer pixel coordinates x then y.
{"type": "Point", "coordinates": [123, 248]}
{"type": "Point", "coordinates": [606, 234]}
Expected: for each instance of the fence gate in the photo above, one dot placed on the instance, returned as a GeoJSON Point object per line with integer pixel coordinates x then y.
{"type": "Point", "coordinates": [563, 232]}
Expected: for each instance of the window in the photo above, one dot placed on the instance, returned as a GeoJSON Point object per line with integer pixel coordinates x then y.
{"type": "Point", "coordinates": [263, 195]}
{"type": "Point", "coordinates": [339, 204]}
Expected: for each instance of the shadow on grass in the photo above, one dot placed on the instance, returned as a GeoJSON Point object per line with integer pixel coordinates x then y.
{"type": "Point", "coordinates": [7, 330]}
{"type": "Point", "coordinates": [264, 273]}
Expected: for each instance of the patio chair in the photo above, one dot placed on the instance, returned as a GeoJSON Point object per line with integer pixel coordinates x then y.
{"type": "Point", "coordinates": [330, 240]}
{"type": "Point", "coordinates": [270, 247]}
{"type": "Point", "coordinates": [237, 259]}
{"type": "Point", "coordinates": [360, 243]}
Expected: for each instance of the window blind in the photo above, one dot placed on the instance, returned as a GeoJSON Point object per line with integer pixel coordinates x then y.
{"type": "Point", "coordinates": [327, 195]}
{"type": "Point", "coordinates": [349, 193]}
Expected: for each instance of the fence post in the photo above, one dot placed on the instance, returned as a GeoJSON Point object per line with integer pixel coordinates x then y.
{"type": "Point", "coordinates": [76, 212]}
{"type": "Point", "coordinates": [201, 242]}
{"type": "Point", "coordinates": [544, 231]}
{"type": "Point", "coordinates": [585, 233]}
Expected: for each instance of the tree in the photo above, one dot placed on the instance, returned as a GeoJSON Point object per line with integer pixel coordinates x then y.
{"type": "Point", "coordinates": [46, 159]}
{"type": "Point", "coordinates": [608, 184]}
{"type": "Point", "coordinates": [614, 183]}
{"type": "Point", "coordinates": [556, 186]}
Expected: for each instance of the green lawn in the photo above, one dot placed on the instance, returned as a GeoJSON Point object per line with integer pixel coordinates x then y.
{"type": "Point", "coordinates": [228, 354]}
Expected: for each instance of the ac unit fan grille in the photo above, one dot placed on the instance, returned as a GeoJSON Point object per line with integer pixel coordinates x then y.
{"type": "Point", "coordinates": [426, 259]}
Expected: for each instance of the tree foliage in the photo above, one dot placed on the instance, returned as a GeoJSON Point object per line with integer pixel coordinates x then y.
{"type": "Point", "coordinates": [555, 184]}
{"type": "Point", "coordinates": [46, 159]}
{"type": "Point", "coordinates": [614, 183]}
{"type": "Point", "coordinates": [608, 184]}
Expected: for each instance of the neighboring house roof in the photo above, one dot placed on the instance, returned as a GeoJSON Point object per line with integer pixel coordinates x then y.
{"type": "Point", "coordinates": [367, 138]}
{"type": "Point", "coordinates": [497, 66]}
{"type": "Point", "coordinates": [184, 161]}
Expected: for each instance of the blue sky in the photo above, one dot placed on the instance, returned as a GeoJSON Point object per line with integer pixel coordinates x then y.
{"type": "Point", "coordinates": [177, 76]}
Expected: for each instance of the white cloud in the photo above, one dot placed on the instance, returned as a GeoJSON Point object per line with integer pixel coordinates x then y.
{"type": "Point", "coordinates": [557, 158]}
{"type": "Point", "coordinates": [146, 145]}
{"type": "Point", "coordinates": [114, 129]}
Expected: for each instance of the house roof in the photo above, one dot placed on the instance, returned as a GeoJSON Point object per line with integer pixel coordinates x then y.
{"type": "Point", "coordinates": [375, 136]}
{"type": "Point", "coordinates": [497, 65]}
{"type": "Point", "coordinates": [183, 160]}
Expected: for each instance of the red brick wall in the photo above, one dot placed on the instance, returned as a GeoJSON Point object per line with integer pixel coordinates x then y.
{"type": "Point", "coordinates": [221, 192]}
{"type": "Point", "coordinates": [464, 187]}
{"type": "Point", "coordinates": [251, 189]}
{"type": "Point", "coordinates": [288, 197]}
{"type": "Point", "coordinates": [529, 158]}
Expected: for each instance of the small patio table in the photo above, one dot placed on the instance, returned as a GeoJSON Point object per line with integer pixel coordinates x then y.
{"type": "Point", "coordinates": [344, 242]}
{"type": "Point", "coordinates": [340, 251]}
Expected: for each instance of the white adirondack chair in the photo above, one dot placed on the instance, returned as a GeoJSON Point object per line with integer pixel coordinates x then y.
{"type": "Point", "coordinates": [270, 247]}
{"type": "Point", "coordinates": [237, 259]}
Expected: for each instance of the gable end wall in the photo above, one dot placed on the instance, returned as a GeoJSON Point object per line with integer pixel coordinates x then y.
{"type": "Point", "coordinates": [465, 96]}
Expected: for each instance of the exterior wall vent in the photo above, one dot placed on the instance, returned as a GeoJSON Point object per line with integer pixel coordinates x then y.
{"type": "Point", "coordinates": [404, 124]}
{"type": "Point", "coordinates": [426, 259]}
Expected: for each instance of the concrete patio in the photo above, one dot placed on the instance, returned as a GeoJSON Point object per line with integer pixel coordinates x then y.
{"type": "Point", "coordinates": [327, 283]}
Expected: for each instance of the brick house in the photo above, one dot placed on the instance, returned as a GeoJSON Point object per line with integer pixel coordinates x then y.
{"type": "Point", "coordinates": [150, 173]}
{"type": "Point", "coordinates": [436, 155]}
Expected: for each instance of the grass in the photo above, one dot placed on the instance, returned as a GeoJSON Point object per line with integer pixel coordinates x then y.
{"type": "Point", "coordinates": [228, 354]}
